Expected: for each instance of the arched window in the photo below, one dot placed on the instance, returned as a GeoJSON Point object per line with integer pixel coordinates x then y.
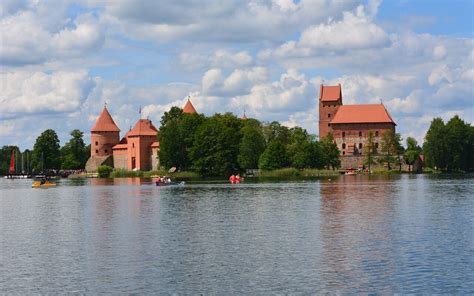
{"type": "Point", "coordinates": [329, 115]}
{"type": "Point", "coordinates": [105, 151]}
{"type": "Point", "coordinates": [360, 145]}
{"type": "Point", "coordinates": [96, 143]}
{"type": "Point", "coordinates": [96, 151]}
{"type": "Point", "coordinates": [343, 152]}
{"type": "Point", "coordinates": [343, 146]}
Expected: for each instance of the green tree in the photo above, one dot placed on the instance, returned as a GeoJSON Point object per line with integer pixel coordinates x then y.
{"type": "Point", "coordinates": [459, 146]}
{"type": "Point", "coordinates": [435, 145]}
{"type": "Point", "coordinates": [251, 146]}
{"type": "Point", "coordinates": [390, 149]}
{"type": "Point", "coordinates": [46, 154]}
{"type": "Point", "coordinates": [176, 137]}
{"type": "Point", "coordinates": [304, 151]}
{"type": "Point", "coordinates": [411, 153]}
{"type": "Point", "coordinates": [216, 147]}
{"type": "Point", "coordinates": [274, 131]}
{"type": "Point", "coordinates": [330, 152]}
{"type": "Point", "coordinates": [274, 157]}
{"type": "Point", "coordinates": [74, 153]}
{"type": "Point", "coordinates": [370, 150]}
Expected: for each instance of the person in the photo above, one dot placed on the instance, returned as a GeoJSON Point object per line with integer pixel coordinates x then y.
{"type": "Point", "coordinates": [158, 180]}
{"type": "Point", "coordinates": [232, 179]}
{"type": "Point", "coordinates": [237, 179]}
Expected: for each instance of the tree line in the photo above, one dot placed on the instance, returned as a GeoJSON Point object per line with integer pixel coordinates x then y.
{"type": "Point", "coordinates": [47, 154]}
{"type": "Point", "coordinates": [223, 144]}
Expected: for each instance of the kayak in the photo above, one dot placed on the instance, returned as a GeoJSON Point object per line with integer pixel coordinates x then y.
{"type": "Point", "coordinates": [169, 184]}
{"type": "Point", "coordinates": [47, 184]}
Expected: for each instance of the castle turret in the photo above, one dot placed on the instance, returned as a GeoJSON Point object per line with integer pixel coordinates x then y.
{"type": "Point", "coordinates": [189, 108]}
{"type": "Point", "coordinates": [104, 135]}
{"type": "Point", "coordinates": [330, 99]}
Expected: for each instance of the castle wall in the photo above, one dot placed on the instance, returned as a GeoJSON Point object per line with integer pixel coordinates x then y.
{"type": "Point", "coordinates": [351, 138]}
{"type": "Point", "coordinates": [139, 152]}
{"type": "Point", "coordinates": [120, 159]}
{"type": "Point", "coordinates": [102, 143]}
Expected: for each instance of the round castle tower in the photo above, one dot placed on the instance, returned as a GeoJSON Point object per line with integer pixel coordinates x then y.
{"type": "Point", "coordinates": [104, 135]}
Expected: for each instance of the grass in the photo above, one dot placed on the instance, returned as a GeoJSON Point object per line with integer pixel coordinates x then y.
{"type": "Point", "coordinates": [292, 173]}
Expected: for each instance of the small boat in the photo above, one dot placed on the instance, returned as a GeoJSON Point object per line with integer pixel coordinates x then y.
{"type": "Point", "coordinates": [39, 184]}
{"type": "Point", "coordinates": [158, 183]}
{"type": "Point", "coordinates": [350, 171]}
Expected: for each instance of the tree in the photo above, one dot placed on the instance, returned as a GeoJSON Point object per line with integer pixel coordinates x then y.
{"type": "Point", "coordinates": [216, 147]}
{"type": "Point", "coordinates": [330, 151]}
{"type": "Point", "coordinates": [274, 157]}
{"type": "Point", "coordinates": [46, 154]}
{"type": "Point", "coordinates": [390, 150]}
{"type": "Point", "coordinates": [304, 151]}
{"type": "Point", "coordinates": [275, 131]}
{"type": "Point", "coordinates": [176, 137]}
{"type": "Point", "coordinates": [74, 153]}
{"type": "Point", "coordinates": [369, 150]}
{"type": "Point", "coordinates": [458, 144]}
{"type": "Point", "coordinates": [251, 147]}
{"type": "Point", "coordinates": [435, 145]}
{"type": "Point", "coordinates": [411, 153]}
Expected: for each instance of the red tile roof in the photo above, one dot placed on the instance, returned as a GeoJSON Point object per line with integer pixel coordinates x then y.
{"type": "Point", "coordinates": [105, 123]}
{"type": "Point", "coordinates": [368, 113]}
{"type": "Point", "coordinates": [189, 108]}
{"type": "Point", "coordinates": [143, 127]}
{"type": "Point", "coordinates": [330, 93]}
{"type": "Point", "coordinates": [119, 146]}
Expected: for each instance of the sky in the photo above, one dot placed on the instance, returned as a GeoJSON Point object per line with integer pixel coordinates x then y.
{"type": "Point", "coordinates": [62, 61]}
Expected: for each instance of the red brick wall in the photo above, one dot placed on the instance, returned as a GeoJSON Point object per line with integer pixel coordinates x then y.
{"type": "Point", "coordinates": [139, 148]}
{"type": "Point", "coordinates": [102, 143]}
{"type": "Point", "coordinates": [356, 134]}
{"type": "Point", "coordinates": [327, 110]}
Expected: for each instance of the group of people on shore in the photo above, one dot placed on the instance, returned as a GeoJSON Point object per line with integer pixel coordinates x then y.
{"type": "Point", "coordinates": [236, 179]}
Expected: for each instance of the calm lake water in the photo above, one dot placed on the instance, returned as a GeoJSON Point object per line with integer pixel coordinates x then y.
{"type": "Point", "coordinates": [400, 234]}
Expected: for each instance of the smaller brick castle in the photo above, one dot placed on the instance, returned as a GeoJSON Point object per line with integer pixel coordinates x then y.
{"type": "Point", "coordinates": [137, 150]}
{"type": "Point", "coordinates": [350, 124]}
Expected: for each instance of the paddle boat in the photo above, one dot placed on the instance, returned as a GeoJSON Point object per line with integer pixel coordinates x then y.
{"type": "Point", "coordinates": [43, 184]}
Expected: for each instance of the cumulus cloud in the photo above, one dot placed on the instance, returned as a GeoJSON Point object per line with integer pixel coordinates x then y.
{"type": "Point", "coordinates": [25, 92]}
{"type": "Point", "coordinates": [28, 37]}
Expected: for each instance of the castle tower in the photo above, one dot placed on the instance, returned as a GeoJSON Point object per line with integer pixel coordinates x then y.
{"type": "Point", "coordinates": [104, 135]}
{"type": "Point", "coordinates": [330, 99]}
{"type": "Point", "coordinates": [141, 141]}
{"type": "Point", "coordinates": [188, 107]}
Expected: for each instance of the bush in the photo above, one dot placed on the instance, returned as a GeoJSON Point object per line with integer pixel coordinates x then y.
{"type": "Point", "coordinates": [104, 171]}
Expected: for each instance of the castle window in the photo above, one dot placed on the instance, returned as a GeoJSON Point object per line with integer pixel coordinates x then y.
{"type": "Point", "coordinates": [343, 152]}
{"type": "Point", "coordinates": [360, 134]}
{"type": "Point", "coordinates": [360, 145]}
{"type": "Point", "coordinates": [96, 151]}
{"type": "Point", "coordinates": [329, 124]}
{"type": "Point", "coordinates": [105, 150]}
{"type": "Point", "coordinates": [96, 143]}
{"type": "Point", "coordinates": [343, 134]}
{"type": "Point", "coordinates": [133, 145]}
{"type": "Point", "coordinates": [376, 145]}
{"type": "Point", "coordinates": [376, 133]}
{"type": "Point", "coordinates": [343, 146]}
{"type": "Point", "coordinates": [329, 115]}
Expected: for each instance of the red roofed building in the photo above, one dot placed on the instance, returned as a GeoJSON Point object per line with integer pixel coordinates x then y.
{"type": "Point", "coordinates": [138, 149]}
{"type": "Point", "coordinates": [351, 124]}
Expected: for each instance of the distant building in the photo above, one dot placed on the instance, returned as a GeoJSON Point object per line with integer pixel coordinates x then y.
{"type": "Point", "coordinates": [351, 124]}
{"type": "Point", "coordinates": [137, 150]}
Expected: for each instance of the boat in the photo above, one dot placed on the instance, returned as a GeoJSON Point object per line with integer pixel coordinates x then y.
{"type": "Point", "coordinates": [158, 183]}
{"type": "Point", "coordinates": [350, 172]}
{"type": "Point", "coordinates": [40, 184]}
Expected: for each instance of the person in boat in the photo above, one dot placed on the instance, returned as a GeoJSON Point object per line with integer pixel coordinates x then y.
{"type": "Point", "coordinates": [43, 180]}
{"type": "Point", "coordinates": [158, 179]}
{"type": "Point", "coordinates": [237, 179]}
{"type": "Point", "coordinates": [232, 179]}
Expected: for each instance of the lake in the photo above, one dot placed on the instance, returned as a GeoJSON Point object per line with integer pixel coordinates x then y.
{"type": "Point", "coordinates": [351, 234]}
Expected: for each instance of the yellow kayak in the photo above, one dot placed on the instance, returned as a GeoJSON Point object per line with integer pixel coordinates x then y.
{"type": "Point", "coordinates": [47, 184]}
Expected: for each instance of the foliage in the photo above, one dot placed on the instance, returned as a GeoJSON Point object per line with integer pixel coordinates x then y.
{"type": "Point", "coordinates": [370, 150]}
{"type": "Point", "coordinates": [74, 153]}
{"type": "Point", "coordinates": [391, 149]}
{"type": "Point", "coordinates": [451, 146]}
{"type": "Point", "coordinates": [412, 152]}
{"type": "Point", "coordinates": [251, 146]}
{"type": "Point", "coordinates": [274, 157]}
{"type": "Point", "coordinates": [274, 131]}
{"type": "Point", "coordinates": [330, 152]}
{"type": "Point", "coordinates": [304, 150]}
{"type": "Point", "coordinates": [216, 146]}
{"type": "Point", "coordinates": [46, 154]}
{"type": "Point", "coordinates": [104, 171]}
{"type": "Point", "coordinates": [176, 138]}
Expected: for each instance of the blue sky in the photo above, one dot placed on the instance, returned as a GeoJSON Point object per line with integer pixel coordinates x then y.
{"type": "Point", "coordinates": [61, 61]}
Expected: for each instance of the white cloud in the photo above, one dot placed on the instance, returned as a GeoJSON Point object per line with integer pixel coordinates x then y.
{"type": "Point", "coordinates": [28, 93]}
{"type": "Point", "coordinates": [354, 31]}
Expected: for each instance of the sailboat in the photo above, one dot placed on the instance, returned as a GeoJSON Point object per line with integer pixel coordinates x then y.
{"type": "Point", "coordinates": [11, 170]}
